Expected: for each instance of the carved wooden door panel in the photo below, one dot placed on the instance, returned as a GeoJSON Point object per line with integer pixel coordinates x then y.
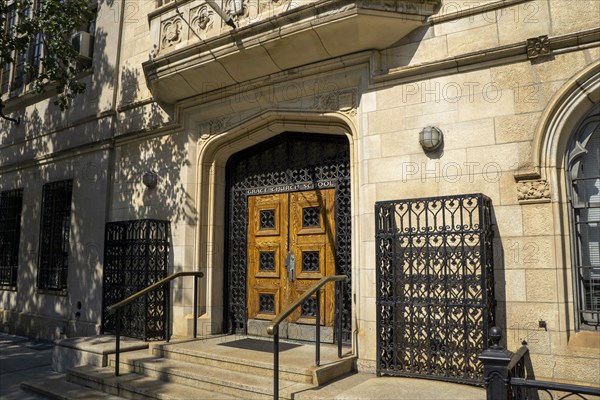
{"type": "Point", "coordinates": [267, 250]}
{"type": "Point", "coordinates": [312, 237]}
{"type": "Point", "coordinates": [281, 227]}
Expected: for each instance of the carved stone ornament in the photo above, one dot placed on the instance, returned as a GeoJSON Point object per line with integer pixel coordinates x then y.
{"type": "Point", "coordinates": [202, 18]}
{"type": "Point", "coordinates": [533, 191]}
{"type": "Point", "coordinates": [344, 101]}
{"type": "Point", "coordinates": [171, 32]}
{"type": "Point", "coordinates": [216, 125]}
{"type": "Point", "coordinates": [538, 47]}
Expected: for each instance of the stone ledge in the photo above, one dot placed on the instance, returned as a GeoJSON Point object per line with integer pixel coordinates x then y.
{"type": "Point", "coordinates": [324, 30]}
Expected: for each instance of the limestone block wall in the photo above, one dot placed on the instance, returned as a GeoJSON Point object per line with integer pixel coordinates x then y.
{"type": "Point", "coordinates": [49, 145]}
{"type": "Point", "coordinates": [489, 113]}
{"type": "Point", "coordinates": [170, 157]}
{"type": "Point", "coordinates": [25, 309]}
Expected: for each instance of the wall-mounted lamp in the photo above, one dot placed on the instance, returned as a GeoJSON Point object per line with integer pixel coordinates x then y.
{"type": "Point", "coordinates": [150, 179]}
{"type": "Point", "coordinates": [237, 6]}
{"type": "Point", "coordinates": [15, 121]}
{"type": "Point", "coordinates": [431, 138]}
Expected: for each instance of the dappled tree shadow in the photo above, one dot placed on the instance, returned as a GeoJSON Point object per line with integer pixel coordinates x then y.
{"type": "Point", "coordinates": [165, 149]}
{"type": "Point", "coordinates": [47, 146]}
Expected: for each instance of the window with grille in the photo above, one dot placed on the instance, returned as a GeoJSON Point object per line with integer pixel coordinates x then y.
{"type": "Point", "coordinates": [24, 65]}
{"type": "Point", "coordinates": [8, 24]}
{"type": "Point", "coordinates": [54, 235]}
{"type": "Point", "coordinates": [10, 232]}
{"type": "Point", "coordinates": [583, 166]}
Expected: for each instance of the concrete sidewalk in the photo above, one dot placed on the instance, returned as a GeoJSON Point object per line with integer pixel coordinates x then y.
{"type": "Point", "coordinates": [22, 359]}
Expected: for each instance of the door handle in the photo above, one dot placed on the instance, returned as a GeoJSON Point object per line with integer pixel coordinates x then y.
{"type": "Point", "coordinates": [290, 263]}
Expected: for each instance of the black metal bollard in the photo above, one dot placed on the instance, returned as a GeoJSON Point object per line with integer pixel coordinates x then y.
{"type": "Point", "coordinates": [495, 362]}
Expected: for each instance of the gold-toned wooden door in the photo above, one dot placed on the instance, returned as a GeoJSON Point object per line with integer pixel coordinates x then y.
{"type": "Point", "coordinates": [297, 225]}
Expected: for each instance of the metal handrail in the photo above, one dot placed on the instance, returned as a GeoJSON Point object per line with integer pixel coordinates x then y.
{"type": "Point", "coordinates": [273, 329]}
{"type": "Point", "coordinates": [117, 308]}
{"type": "Point", "coordinates": [559, 387]}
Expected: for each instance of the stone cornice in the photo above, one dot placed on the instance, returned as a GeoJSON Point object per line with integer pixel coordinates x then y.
{"type": "Point", "coordinates": [470, 9]}
{"type": "Point", "coordinates": [501, 55]}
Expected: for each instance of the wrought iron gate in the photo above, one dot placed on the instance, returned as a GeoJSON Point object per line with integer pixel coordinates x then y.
{"type": "Point", "coordinates": [435, 286]}
{"type": "Point", "coordinates": [136, 255]}
{"type": "Point", "coordinates": [290, 162]}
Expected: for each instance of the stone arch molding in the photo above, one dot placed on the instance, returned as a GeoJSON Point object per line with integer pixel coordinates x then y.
{"type": "Point", "coordinates": [222, 140]}
{"type": "Point", "coordinates": [542, 182]}
{"type": "Point", "coordinates": [545, 180]}
{"type": "Point", "coordinates": [214, 151]}
{"type": "Point", "coordinates": [559, 120]}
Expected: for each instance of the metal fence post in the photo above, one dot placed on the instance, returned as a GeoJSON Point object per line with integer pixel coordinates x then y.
{"type": "Point", "coordinates": [118, 341]}
{"type": "Point", "coordinates": [495, 360]}
{"type": "Point", "coordinates": [276, 363]}
{"type": "Point", "coordinates": [196, 279]}
{"type": "Point", "coordinates": [318, 330]}
{"type": "Point", "coordinates": [340, 300]}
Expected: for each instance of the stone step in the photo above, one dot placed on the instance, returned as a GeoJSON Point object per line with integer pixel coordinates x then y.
{"type": "Point", "coordinates": [58, 388]}
{"type": "Point", "coordinates": [241, 384]}
{"type": "Point", "coordinates": [297, 361]}
{"type": "Point", "coordinates": [135, 386]}
{"type": "Point", "coordinates": [91, 350]}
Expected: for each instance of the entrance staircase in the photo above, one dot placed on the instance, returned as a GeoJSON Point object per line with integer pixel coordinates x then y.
{"type": "Point", "coordinates": [225, 367]}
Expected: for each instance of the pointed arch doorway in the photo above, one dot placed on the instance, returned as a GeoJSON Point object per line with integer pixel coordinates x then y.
{"type": "Point", "coordinates": [287, 197]}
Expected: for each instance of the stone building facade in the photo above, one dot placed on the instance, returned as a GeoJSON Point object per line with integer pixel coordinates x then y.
{"type": "Point", "coordinates": [177, 94]}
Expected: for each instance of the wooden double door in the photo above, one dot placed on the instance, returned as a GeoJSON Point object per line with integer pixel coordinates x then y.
{"type": "Point", "coordinates": [291, 245]}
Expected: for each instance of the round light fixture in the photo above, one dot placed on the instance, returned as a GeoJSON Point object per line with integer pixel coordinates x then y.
{"type": "Point", "coordinates": [431, 138]}
{"type": "Point", "coordinates": [150, 179]}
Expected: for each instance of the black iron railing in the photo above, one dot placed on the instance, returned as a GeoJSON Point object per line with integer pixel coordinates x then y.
{"type": "Point", "coordinates": [273, 329]}
{"type": "Point", "coordinates": [510, 376]}
{"type": "Point", "coordinates": [116, 308]}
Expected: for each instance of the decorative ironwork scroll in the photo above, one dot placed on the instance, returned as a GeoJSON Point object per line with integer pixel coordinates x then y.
{"type": "Point", "coordinates": [136, 255]}
{"type": "Point", "coordinates": [290, 162]}
{"type": "Point", "coordinates": [435, 286]}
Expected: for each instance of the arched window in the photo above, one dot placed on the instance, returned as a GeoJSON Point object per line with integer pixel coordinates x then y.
{"type": "Point", "coordinates": [583, 175]}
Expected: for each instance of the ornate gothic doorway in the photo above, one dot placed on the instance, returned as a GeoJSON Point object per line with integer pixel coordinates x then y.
{"type": "Point", "coordinates": [288, 198]}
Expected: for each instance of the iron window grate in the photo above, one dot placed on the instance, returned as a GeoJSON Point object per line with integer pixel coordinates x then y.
{"type": "Point", "coordinates": [11, 202]}
{"type": "Point", "coordinates": [54, 235]}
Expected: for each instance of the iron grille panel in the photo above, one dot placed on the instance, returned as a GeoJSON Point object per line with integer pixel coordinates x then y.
{"type": "Point", "coordinates": [267, 219]}
{"type": "Point", "coordinates": [311, 217]}
{"type": "Point", "coordinates": [11, 202]}
{"type": "Point", "coordinates": [266, 303]}
{"type": "Point", "coordinates": [309, 307]}
{"type": "Point", "coordinates": [310, 261]}
{"type": "Point", "coordinates": [435, 287]}
{"type": "Point", "coordinates": [54, 235]}
{"type": "Point", "coordinates": [266, 261]}
{"type": "Point", "coordinates": [289, 162]}
{"type": "Point", "coordinates": [136, 255]}
{"type": "Point", "coordinates": [583, 165]}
